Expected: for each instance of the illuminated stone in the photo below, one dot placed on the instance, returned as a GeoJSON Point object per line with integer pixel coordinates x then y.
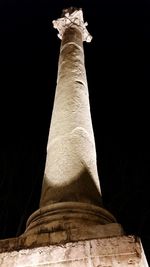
{"type": "Point", "coordinates": [108, 252]}
{"type": "Point", "coordinates": [72, 228]}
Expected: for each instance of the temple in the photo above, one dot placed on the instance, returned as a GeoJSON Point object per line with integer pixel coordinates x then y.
{"type": "Point", "coordinates": [72, 227]}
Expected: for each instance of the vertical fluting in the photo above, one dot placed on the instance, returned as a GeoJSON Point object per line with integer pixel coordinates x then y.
{"type": "Point", "coordinates": [71, 170]}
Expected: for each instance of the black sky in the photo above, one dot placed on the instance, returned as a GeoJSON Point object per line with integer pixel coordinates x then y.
{"type": "Point", "coordinates": [117, 64]}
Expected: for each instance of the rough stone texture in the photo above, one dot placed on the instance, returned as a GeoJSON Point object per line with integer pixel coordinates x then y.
{"type": "Point", "coordinates": [71, 169]}
{"type": "Point", "coordinates": [43, 237]}
{"type": "Point", "coordinates": [71, 217]}
{"type": "Point", "coordinates": [111, 252]}
{"type": "Point", "coordinates": [71, 228]}
{"type": "Point", "coordinates": [71, 195]}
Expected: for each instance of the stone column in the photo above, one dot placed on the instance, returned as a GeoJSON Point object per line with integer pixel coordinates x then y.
{"type": "Point", "coordinates": [71, 194]}
{"type": "Point", "coordinates": [71, 228]}
{"type": "Point", "coordinates": [71, 171]}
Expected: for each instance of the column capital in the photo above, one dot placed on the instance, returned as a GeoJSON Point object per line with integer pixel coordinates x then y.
{"type": "Point", "coordinates": [72, 17]}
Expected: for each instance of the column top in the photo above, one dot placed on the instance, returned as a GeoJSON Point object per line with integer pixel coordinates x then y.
{"type": "Point", "coordinates": [72, 16]}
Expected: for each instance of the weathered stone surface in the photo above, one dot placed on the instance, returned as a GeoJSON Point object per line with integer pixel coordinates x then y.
{"type": "Point", "coordinates": [67, 216]}
{"type": "Point", "coordinates": [60, 236]}
{"type": "Point", "coordinates": [71, 169]}
{"type": "Point", "coordinates": [71, 195]}
{"type": "Point", "coordinates": [71, 228]}
{"type": "Point", "coordinates": [121, 251]}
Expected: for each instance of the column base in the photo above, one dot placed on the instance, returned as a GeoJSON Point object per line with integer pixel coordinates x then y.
{"type": "Point", "coordinates": [72, 221]}
{"type": "Point", "coordinates": [61, 223]}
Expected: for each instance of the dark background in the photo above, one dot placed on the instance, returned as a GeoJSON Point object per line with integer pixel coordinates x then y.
{"type": "Point", "coordinates": [117, 64]}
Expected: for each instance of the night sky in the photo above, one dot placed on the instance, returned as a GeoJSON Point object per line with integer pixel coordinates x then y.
{"type": "Point", "coordinates": [118, 67]}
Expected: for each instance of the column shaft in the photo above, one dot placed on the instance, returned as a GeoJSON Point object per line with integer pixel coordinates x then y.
{"type": "Point", "coordinates": [71, 170]}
